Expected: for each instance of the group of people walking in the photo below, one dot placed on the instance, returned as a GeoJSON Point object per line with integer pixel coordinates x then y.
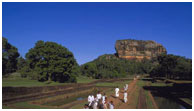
{"type": "Point", "coordinates": [100, 101]}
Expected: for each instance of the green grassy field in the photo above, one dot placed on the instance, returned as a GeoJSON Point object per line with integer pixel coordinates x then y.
{"type": "Point", "coordinates": [14, 80]}
{"type": "Point", "coordinates": [148, 100]}
{"type": "Point", "coordinates": [24, 82]}
{"type": "Point", "coordinates": [179, 81]}
{"type": "Point", "coordinates": [24, 105]}
{"type": "Point", "coordinates": [161, 84]}
{"type": "Point", "coordinates": [119, 84]}
{"type": "Point", "coordinates": [83, 79]}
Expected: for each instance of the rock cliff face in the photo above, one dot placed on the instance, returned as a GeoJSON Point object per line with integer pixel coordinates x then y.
{"type": "Point", "coordinates": [138, 49]}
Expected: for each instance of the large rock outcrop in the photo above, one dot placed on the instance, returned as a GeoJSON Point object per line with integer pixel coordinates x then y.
{"type": "Point", "coordinates": [138, 49]}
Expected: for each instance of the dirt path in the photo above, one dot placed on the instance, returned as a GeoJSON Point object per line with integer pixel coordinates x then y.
{"type": "Point", "coordinates": [142, 100]}
{"type": "Point", "coordinates": [136, 98]}
{"type": "Point", "coordinates": [119, 104]}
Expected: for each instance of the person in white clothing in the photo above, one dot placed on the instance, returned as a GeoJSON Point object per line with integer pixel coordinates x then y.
{"type": "Point", "coordinates": [95, 103]}
{"type": "Point", "coordinates": [95, 106]}
{"type": "Point", "coordinates": [116, 92]}
{"type": "Point", "coordinates": [92, 97]}
{"type": "Point", "coordinates": [99, 96]}
{"type": "Point", "coordinates": [126, 87]}
{"type": "Point", "coordinates": [103, 98]}
{"type": "Point", "coordinates": [125, 96]}
{"type": "Point", "coordinates": [89, 100]}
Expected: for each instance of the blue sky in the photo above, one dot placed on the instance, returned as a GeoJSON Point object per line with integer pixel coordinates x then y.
{"type": "Point", "coordinates": [91, 29]}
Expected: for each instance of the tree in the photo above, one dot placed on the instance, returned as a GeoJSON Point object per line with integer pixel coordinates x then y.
{"type": "Point", "coordinates": [9, 57]}
{"type": "Point", "coordinates": [173, 67]}
{"type": "Point", "coordinates": [110, 66]}
{"type": "Point", "coordinates": [21, 63]}
{"type": "Point", "coordinates": [49, 61]}
{"type": "Point", "coordinates": [89, 70]}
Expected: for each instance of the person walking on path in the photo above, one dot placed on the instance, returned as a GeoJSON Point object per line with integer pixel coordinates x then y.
{"type": "Point", "coordinates": [89, 100]}
{"type": "Point", "coordinates": [95, 103]}
{"type": "Point", "coordinates": [125, 97]}
{"type": "Point", "coordinates": [103, 98]}
{"type": "Point", "coordinates": [117, 92]}
{"type": "Point", "coordinates": [126, 87]}
{"type": "Point", "coordinates": [99, 96]}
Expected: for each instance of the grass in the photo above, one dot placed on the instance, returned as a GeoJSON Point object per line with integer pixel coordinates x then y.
{"type": "Point", "coordinates": [84, 79]}
{"type": "Point", "coordinates": [160, 84]}
{"type": "Point", "coordinates": [140, 84]}
{"type": "Point", "coordinates": [135, 96]}
{"type": "Point", "coordinates": [24, 105]}
{"type": "Point", "coordinates": [15, 80]}
{"type": "Point", "coordinates": [148, 101]}
{"type": "Point", "coordinates": [24, 82]}
{"type": "Point", "coordinates": [6, 107]}
{"type": "Point", "coordinates": [119, 84]}
{"type": "Point", "coordinates": [179, 81]}
{"type": "Point", "coordinates": [187, 100]}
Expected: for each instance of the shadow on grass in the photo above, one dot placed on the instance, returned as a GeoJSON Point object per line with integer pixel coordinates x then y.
{"type": "Point", "coordinates": [174, 92]}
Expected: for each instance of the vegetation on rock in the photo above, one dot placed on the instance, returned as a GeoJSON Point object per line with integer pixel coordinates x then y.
{"type": "Point", "coordinates": [109, 66]}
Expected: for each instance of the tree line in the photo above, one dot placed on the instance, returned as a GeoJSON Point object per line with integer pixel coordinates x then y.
{"type": "Point", "coordinates": [109, 66]}
{"type": "Point", "coordinates": [173, 67]}
{"type": "Point", "coordinates": [46, 61]}
{"type": "Point", "coordinates": [9, 57]}
{"type": "Point", "coordinates": [49, 61]}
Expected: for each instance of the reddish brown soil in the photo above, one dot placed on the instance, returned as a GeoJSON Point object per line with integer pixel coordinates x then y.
{"type": "Point", "coordinates": [142, 100]}
{"type": "Point", "coordinates": [118, 102]}
{"type": "Point", "coordinates": [133, 88]}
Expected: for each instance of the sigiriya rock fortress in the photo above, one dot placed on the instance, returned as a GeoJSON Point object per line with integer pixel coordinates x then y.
{"type": "Point", "coordinates": [138, 49]}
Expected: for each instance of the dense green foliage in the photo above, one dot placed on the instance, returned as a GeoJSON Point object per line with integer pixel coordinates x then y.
{"type": "Point", "coordinates": [9, 57]}
{"type": "Point", "coordinates": [49, 61]}
{"type": "Point", "coordinates": [109, 66]}
{"type": "Point", "coordinates": [21, 63]}
{"type": "Point", "coordinates": [173, 67]}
